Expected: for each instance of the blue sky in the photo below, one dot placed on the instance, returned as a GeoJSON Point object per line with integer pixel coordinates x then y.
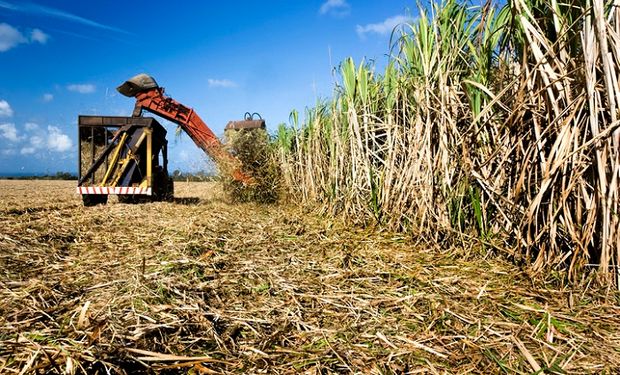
{"type": "Point", "coordinates": [61, 58]}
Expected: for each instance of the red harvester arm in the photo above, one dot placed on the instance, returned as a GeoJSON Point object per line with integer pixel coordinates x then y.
{"type": "Point", "coordinates": [153, 100]}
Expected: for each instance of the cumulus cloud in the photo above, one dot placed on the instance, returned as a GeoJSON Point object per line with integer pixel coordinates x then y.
{"type": "Point", "coordinates": [31, 126]}
{"type": "Point", "coordinates": [47, 97]}
{"type": "Point", "coordinates": [57, 140]}
{"type": "Point", "coordinates": [39, 36]}
{"type": "Point", "coordinates": [9, 132]}
{"type": "Point", "coordinates": [337, 8]}
{"type": "Point", "coordinates": [31, 139]}
{"type": "Point", "coordinates": [5, 109]}
{"type": "Point", "coordinates": [382, 28]}
{"type": "Point", "coordinates": [37, 141]}
{"type": "Point", "coordinates": [82, 88]}
{"type": "Point", "coordinates": [10, 37]}
{"type": "Point", "coordinates": [27, 150]}
{"type": "Point", "coordinates": [225, 83]}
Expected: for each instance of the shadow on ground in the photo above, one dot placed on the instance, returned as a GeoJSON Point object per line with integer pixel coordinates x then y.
{"type": "Point", "coordinates": [186, 201]}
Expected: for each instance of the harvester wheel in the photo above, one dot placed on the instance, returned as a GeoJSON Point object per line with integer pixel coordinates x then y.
{"type": "Point", "coordinates": [163, 186]}
{"type": "Point", "coordinates": [94, 199]}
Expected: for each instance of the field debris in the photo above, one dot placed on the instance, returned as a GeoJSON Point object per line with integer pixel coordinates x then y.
{"type": "Point", "coordinates": [209, 287]}
{"type": "Point", "coordinates": [256, 152]}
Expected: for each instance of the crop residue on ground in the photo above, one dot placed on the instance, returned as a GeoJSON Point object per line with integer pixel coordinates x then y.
{"type": "Point", "coordinates": [201, 285]}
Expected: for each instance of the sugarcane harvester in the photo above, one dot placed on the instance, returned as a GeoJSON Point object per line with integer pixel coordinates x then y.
{"type": "Point", "coordinates": [128, 156]}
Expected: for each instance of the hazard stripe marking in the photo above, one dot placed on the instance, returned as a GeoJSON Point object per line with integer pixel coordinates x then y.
{"type": "Point", "coordinates": [113, 190]}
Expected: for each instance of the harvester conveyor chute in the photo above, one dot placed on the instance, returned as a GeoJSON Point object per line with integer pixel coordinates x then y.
{"type": "Point", "coordinates": [149, 96]}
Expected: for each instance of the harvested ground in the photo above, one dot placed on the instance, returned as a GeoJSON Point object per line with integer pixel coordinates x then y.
{"type": "Point", "coordinates": [202, 286]}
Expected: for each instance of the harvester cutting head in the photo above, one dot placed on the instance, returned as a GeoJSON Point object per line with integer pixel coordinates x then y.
{"type": "Point", "coordinates": [137, 84]}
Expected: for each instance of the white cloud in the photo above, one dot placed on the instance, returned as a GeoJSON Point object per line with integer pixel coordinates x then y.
{"type": "Point", "coordinates": [9, 132]}
{"type": "Point", "coordinates": [5, 109]}
{"type": "Point", "coordinates": [31, 8]}
{"type": "Point", "coordinates": [82, 88]}
{"type": "Point", "coordinates": [39, 36]}
{"type": "Point", "coordinates": [337, 8]}
{"type": "Point", "coordinates": [47, 97]}
{"type": "Point", "coordinates": [34, 139]}
{"type": "Point", "coordinates": [37, 141]}
{"type": "Point", "coordinates": [57, 140]}
{"type": "Point", "coordinates": [31, 126]}
{"type": "Point", "coordinates": [27, 150]}
{"type": "Point", "coordinates": [225, 83]}
{"type": "Point", "coordinates": [382, 28]}
{"type": "Point", "coordinates": [10, 37]}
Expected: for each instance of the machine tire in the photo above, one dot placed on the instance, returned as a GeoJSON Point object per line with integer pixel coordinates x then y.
{"type": "Point", "coordinates": [91, 200]}
{"type": "Point", "coordinates": [163, 186]}
{"type": "Point", "coordinates": [169, 195]}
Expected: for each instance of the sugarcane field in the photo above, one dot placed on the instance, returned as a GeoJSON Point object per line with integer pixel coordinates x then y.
{"type": "Point", "coordinates": [333, 186]}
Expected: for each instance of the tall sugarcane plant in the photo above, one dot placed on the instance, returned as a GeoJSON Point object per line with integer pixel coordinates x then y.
{"type": "Point", "coordinates": [495, 123]}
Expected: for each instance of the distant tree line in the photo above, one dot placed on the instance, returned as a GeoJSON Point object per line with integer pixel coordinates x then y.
{"type": "Point", "coordinates": [57, 176]}
{"type": "Point", "coordinates": [177, 175]}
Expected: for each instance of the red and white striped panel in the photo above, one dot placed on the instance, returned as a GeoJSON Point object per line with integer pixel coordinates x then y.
{"type": "Point", "coordinates": [113, 190]}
